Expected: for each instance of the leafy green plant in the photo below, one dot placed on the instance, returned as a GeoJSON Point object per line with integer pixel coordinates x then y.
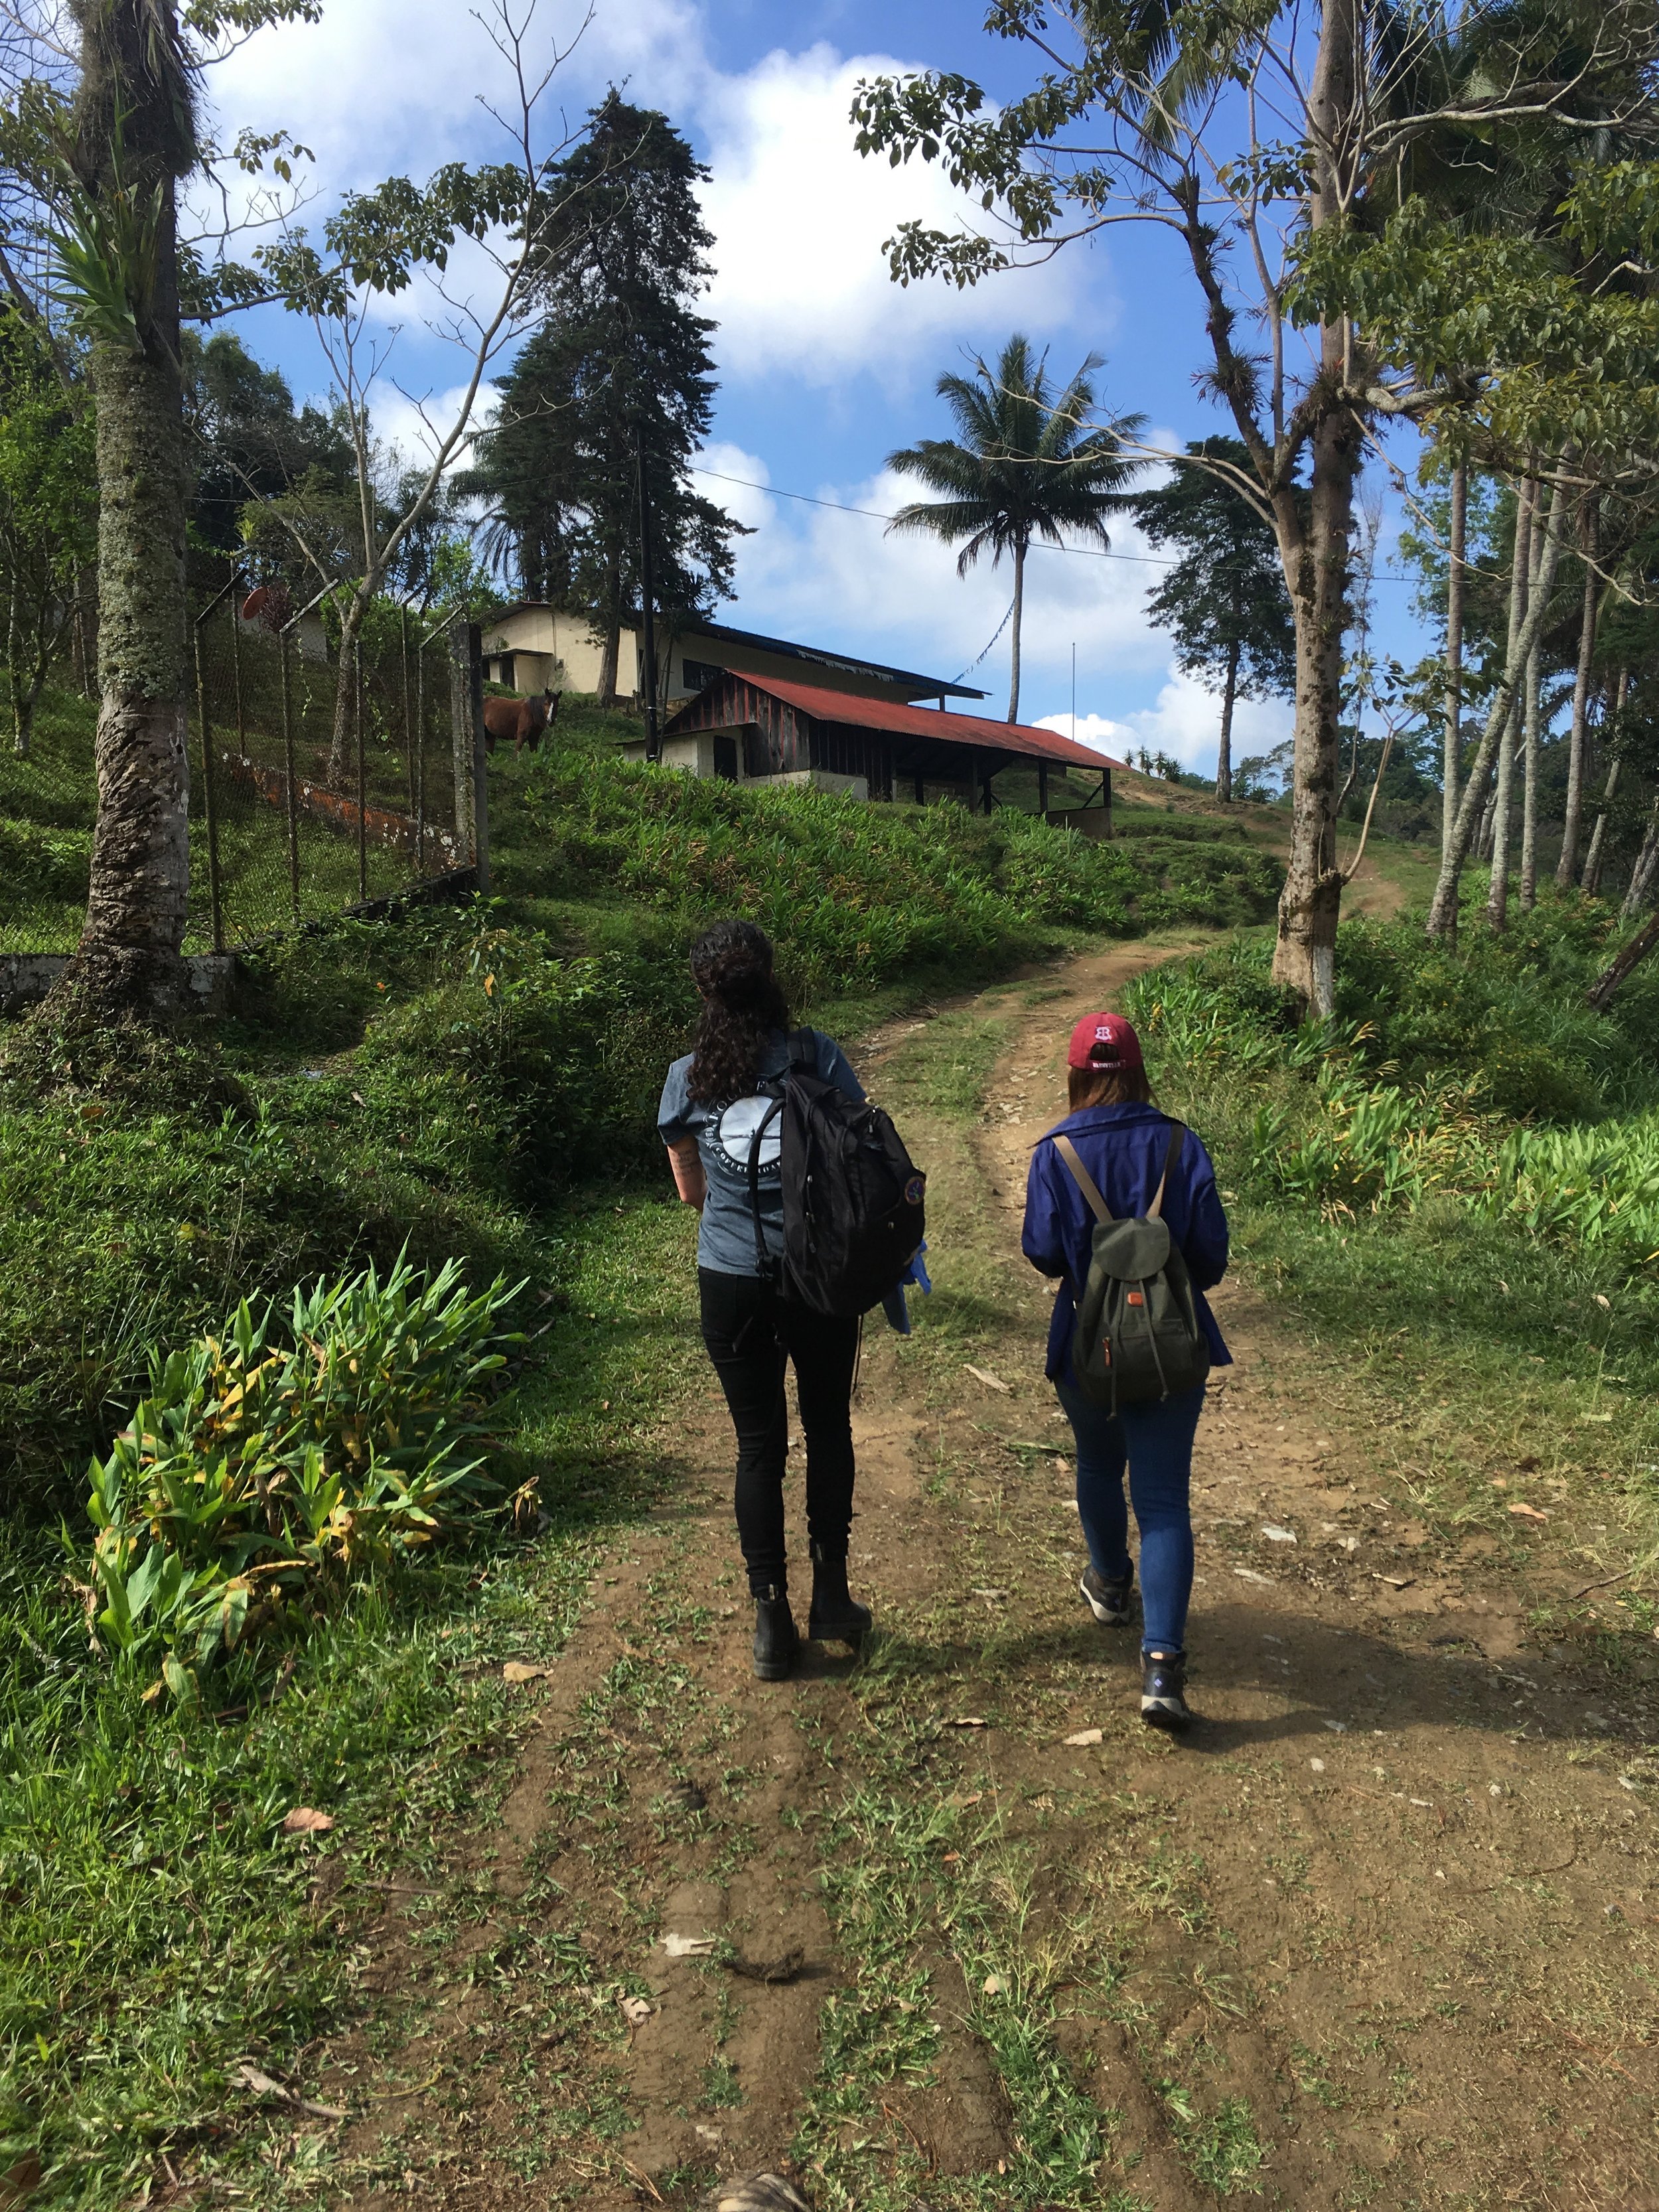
{"type": "Point", "coordinates": [272, 1460]}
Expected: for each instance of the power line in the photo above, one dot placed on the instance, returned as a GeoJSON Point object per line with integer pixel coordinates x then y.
{"type": "Point", "coordinates": [1038, 544]}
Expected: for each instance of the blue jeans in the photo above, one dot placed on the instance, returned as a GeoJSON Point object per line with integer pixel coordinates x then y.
{"type": "Point", "coordinates": [1156, 1443]}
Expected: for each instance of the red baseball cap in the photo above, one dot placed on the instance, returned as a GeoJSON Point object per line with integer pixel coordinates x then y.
{"type": "Point", "coordinates": [1103, 1041]}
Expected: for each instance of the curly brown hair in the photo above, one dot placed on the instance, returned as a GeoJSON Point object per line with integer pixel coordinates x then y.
{"type": "Point", "coordinates": [743, 1008]}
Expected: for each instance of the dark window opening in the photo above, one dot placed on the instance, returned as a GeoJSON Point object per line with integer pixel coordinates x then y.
{"type": "Point", "coordinates": [695, 674]}
{"type": "Point", "coordinates": [725, 757]}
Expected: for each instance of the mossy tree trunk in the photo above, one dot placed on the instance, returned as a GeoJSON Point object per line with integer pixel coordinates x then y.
{"type": "Point", "coordinates": [129, 959]}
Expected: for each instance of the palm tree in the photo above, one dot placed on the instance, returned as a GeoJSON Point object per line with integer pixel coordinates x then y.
{"type": "Point", "coordinates": [1023, 465]}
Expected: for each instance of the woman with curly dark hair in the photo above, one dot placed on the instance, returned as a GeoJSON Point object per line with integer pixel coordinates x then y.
{"type": "Point", "coordinates": [713, 1102]}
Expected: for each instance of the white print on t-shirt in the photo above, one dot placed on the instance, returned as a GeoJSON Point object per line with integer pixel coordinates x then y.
{"type": "Point", "coordinates": [734, 1131]}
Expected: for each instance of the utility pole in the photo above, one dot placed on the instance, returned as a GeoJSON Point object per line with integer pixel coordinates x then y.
{"type": "Point", "coordinates": [647, 616]}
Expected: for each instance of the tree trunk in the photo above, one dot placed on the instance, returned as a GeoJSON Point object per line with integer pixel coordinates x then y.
{"type": "Point", "coordinates": [1598, 835]}
{"type": "Point", "coordinates": [1443, 908]}
{"type": "Point", "coordinates": [611, 649]}
{"type": "Point", "coordinates": [1645, 873]}
{"type": "Point", "coordinates": [345, 690]}
{"type": "Point", "coordinates": [1017, 618]}
{"type": "Point", "coordinates": [1316, 574]}
{"type": "Point", "coordinates": [1224, 757]}
{"type": "Point", "coordinates": [1567, 868]}
{"type": "Point", "coordinates": [1315, 559]}
{"type": "Point", "coordinates": [1497, 893]}
{"type": "Point", "coordinates": [134, 93]}
{"type": "Point", "coordinates": [19, 735]}
{"type": "Point", "coordinates": [1529, 737]}
{"type": "Point", "coordinates": [1454, 746]}
{"type": "Point", "coordinates": [1601, 990]}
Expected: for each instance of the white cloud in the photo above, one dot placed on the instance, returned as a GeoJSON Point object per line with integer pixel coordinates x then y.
{"type": "Point", "coordinates": [1185, 723]}
{"type": "Point", "coordinates": [799, 215]}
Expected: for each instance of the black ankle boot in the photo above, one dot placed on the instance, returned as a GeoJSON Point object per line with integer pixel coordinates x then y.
{"type": "Point", "coordinates": [777, 1646]}
{"type": "Point", "coordinates": [835, 1617]}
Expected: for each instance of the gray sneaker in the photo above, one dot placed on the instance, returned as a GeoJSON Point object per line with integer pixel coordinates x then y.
{"type": "Point", "coordinates": [1108, 1601]}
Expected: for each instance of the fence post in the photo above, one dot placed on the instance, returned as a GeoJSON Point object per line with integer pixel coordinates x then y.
{"type": "Point", "coordinates": [466, 720]}
{"type": "Point", "coordinates": [291, 779]}
{"type": "Point", "coordinates": [362, 775]}
{"type": "Point", "coordinates": [420, 740]}
{"type": "Point", "coordinates": [209, 799]}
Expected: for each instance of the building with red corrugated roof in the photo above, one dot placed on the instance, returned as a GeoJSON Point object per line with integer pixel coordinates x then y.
{"type": "Point", "coordinates": [751, 729]}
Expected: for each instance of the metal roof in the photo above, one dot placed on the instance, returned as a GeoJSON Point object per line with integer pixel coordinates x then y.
{"type": "Point", "coordinates": [900, 719]}
{"type": "Point", "coordinates": [934, 686]}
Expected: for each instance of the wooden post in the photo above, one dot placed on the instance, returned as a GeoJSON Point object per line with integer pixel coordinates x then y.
{"type": "Point", "coordinates": [461, 736]}
{"type": "Point", "coordinates": [291, 780]}
{"type": "Point", "coordinates": [209, 798]}
{"type": "Point", "coordinates": [363, 778]}
{"type": "Point", "coordinates": [921, 794]}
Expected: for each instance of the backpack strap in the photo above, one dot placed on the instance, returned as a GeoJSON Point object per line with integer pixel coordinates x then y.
{"type": "Point", "coordinates": [1177, 1138]}
{"type": "Point", "coordinates": [1084, 1182]}
{"type": "Point", "coordinates": [764, 1265]}
{"type": "Point", "coordinates": [803, 1052]}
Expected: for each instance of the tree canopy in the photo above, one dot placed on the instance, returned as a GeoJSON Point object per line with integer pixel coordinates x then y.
{"type": "Point", "coordinates": [1027, 461]}
{"type": "Point", "coordinates": [1224, 600]}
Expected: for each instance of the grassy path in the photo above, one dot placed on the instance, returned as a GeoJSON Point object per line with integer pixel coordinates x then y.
{"type": "Point", "coordinates": [1381, 1932]}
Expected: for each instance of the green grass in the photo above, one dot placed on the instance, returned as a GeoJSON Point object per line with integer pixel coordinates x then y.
{"type": "Point", "coordinates": [1486, 1279]}
{"type": "Point", "coordinates": [159, 1926]}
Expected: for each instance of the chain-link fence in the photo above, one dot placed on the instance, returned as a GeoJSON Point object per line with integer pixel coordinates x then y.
{"type": "Point", "coordinates": [309, 795]}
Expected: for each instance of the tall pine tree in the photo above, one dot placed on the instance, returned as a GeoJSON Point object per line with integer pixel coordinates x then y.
{"type": "Point", "coordinates": [1225, 602]}
{"type": "Point", "coordinates": [620, 368]}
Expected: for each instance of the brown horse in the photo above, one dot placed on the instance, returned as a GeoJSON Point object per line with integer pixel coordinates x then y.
{"type": "Point", "coordinates": [521, 720]}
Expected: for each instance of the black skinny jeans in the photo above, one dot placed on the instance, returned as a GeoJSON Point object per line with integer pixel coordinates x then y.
{"type": "Point", "coordinates": [751, 1335]}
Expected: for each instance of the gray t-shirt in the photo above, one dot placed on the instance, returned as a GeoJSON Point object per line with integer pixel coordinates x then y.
{"type": "Point", "coordinates": [726, 1240]}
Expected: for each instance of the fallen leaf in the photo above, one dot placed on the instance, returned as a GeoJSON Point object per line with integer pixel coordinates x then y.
{"type": "Point", "coordinates": [1522, 1511]}
{"type": "Point", "coordinates": [688, 1947]}
{"type": "Point", "coordinates": [1349, 1543]}
{"type": "Point", "coordinates": [1395, 1581]}
{"type": "Point", "coordinates": [305, 1821]}
{"type": "Point", "coordinates": [984, 1375]}
{"type": "Point", "coordinates": [1336, 1728]}
{"type": "Point", "coordinates": [1086, 1736]}
{"type": "Point", "coordinates": [992, 1594]}
{"type": "Point", "coordinates": [1275, 1534]}
{"type": "Point", "coordinates": [1605, 1304]}
{"type": "Point", "coordinates": [634, 2010]}
{"type": "Point", "coordinates": [1317, 1764]}
{"type": "Point", "coordinates": [520, 1670]}
{"type": "Point", "coordinates": [995, 1985]}
{"type": "Point", "coordinates": [967, 1720]}
{"type": "Point", "coordinates": [20, 2183]}
{"type": "Point", "coordinates": [1426, 1804]}
{"type": "Point", "coordinates": [1249, 1575]}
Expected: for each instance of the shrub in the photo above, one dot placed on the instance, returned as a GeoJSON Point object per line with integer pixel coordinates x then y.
{"type": "Point", "coordinates": [1326, 1115]}
{"type": "Point", "coordinates": [255, 1473]}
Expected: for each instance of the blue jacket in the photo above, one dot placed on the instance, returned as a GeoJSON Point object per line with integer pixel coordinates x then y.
{"type": "Point", "coordinates": [1123, 1149]}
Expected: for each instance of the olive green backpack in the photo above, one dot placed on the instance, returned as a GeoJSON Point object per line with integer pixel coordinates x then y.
{"type": "Point", "coordinates": [1138, 1336]}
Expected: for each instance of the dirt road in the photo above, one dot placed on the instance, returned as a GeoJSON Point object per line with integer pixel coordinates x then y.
{"type": "Point", "coordinates": [949, 1928]}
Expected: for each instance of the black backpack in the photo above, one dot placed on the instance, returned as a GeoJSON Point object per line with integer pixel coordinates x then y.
{"type": "Point", "coordinates": [853, 1217]}
{"type": "Point", "coordinates": [1138, 1336]}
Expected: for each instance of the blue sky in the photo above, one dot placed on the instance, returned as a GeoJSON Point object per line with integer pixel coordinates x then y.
{"type": "Point", "coordinates": [825, 366]}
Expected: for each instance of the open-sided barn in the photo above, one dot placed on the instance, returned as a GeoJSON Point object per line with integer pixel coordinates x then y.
{"type": "Point", "coordinates": [747, 728]}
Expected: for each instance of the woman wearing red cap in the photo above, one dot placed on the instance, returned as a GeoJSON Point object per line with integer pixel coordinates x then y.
{"type": "Point", "coordinates": [1124, 1144]}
